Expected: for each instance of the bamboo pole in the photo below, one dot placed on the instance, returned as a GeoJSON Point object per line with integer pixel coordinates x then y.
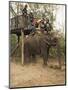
{"type": "Point", "coordinates": [22, 34]}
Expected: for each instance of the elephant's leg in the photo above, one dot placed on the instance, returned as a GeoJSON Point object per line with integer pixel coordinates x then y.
{"type": "Point", "coordinates": [48, 52]}
{"type": "Point", "coordinates": [45, 56]}
{"type": "Point", "coordinates": [59, 55]}
{"type": "Point", "coordinates": [26, 55]}
{"type": "Point", "coordinates": [44, 51]}
{"type": "Point", "coordinates": [45, 60]}
{"type": "Point", "coordinates": [33, 57]}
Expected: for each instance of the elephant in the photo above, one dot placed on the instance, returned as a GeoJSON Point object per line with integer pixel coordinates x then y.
{"type": "Point", "coordinates": [40, 44]}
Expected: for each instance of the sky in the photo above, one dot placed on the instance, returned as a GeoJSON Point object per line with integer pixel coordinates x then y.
{"type": "Point", "coordinates": [60, 18]}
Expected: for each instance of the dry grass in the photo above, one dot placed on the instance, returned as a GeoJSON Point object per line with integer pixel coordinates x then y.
{"type": "Point", "coordinates": [34, 74]}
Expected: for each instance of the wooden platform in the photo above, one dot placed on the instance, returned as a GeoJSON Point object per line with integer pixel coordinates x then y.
{"type": "Point", "coordinates": [18, 31]}
{"type": "Point", "coordinates": [19, 23]}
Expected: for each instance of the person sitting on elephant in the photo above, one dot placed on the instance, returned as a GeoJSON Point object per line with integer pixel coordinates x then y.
{"type": "Point", "coordinates": [36, 24]}
{"type": "Point", "coordinates": [48, 26]}
{"type": "Point", "coordinates": [24, 11]}
{"type": "Point", "coordinates": [31, 16]}
{"type": "Point", "coordinates": [31, 25]}
{"type": "Point", "coordinates": [42, 25]}
{"type": "Point", "coordinates": [32, 28]}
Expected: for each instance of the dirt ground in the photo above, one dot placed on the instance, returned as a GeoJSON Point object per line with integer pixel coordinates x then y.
{"type": "Point", "coordinates": [35, 74]}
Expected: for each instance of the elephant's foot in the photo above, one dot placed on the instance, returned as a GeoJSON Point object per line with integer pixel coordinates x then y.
{"type": "Point", "coordinates": [59, 67]}
{"type": "Point", "coordinates": [26, 61]}
{"type": "Point", "coordinates": [34, 61]}
{"type": "Point", "coordinates": [45, 64]}
{"type": "Point", "coordinates": [55, 67]}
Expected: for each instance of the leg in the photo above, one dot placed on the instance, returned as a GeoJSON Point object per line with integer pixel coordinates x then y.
{"type": "Point", "coordinates": [26, 52]}
{"type": "Point", "coordinates": [44, 52]}
{"type": "Point", "coordinates": [33, 58]}
{"type": "Point", "coordinates": [45, 56]}
{"type": "Point", "coordinates": [59, 55]}
{"type": "Point", "coordinates": [26, 56]}
{"type": "Point", "coordinates": [48, 51]}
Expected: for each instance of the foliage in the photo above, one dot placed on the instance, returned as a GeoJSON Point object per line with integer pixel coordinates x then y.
{"type": "Point", "coordinates": [53, 52]}
{"type": "Point", "coordinates": [13, 41]}
{"type": "Point", "coordinates": [43, 11]}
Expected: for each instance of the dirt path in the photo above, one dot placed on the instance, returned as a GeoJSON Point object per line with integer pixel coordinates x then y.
{"type": "Point", "coordinates": [34, 74]}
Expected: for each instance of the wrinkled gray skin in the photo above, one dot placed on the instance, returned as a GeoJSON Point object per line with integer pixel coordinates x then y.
{"type": "Point", "coordinates": [40, 45]}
